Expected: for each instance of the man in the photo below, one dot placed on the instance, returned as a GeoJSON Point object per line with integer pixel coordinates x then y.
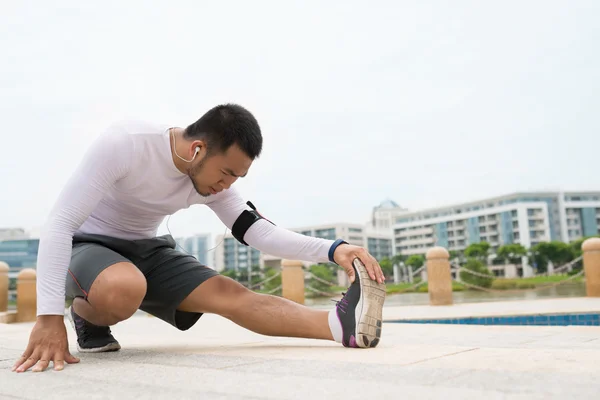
{"type": "Point", "coordinates": [99, 246]}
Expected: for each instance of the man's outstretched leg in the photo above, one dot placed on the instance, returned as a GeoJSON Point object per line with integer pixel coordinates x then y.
{"type": "Point", "coordinates": [355, 321]}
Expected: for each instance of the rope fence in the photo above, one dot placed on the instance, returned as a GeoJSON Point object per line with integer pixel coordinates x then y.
{"type": "Point", "coordinates": [541, 287]}
{"type": "Point", "coordinates": [259, 284]}
{"type": "Point", "coordinates": [455, 268]}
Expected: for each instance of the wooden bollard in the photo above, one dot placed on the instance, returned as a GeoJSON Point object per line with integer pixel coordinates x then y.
{"type": "Point", "coordinates": [591, 266]}
{"type": "Point", "coordinates": [26, 295]}
{"type": "Point", "coordinates": [439, 278]}
{"type": "Point", "coordinates": [3, 286]}
{"type": "Point", "coordinates": [292, 280]}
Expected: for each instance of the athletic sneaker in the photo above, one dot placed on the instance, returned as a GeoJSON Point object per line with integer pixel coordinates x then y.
{"type": "Point", "coordinates": [92, 338]}
{"type": "Point", "coordinates": [360, 310]}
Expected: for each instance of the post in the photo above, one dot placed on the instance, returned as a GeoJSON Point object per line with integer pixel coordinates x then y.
{"type": "Point", "coordinates": [591, 266]}
{"type": "Point", "coordinates": [26, 295]}
{"type": "Point", "coordinates": [439, 277]}
{"type": "Point", "coordinates": [292, 280]}
{"type": "Point", "coordinates": [3, 286]}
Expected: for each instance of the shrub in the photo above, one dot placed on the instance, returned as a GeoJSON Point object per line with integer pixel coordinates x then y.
{"type": "Point", "coordinates": [477, 266]}
{"type": "Point", "coordinates": [323, 272]}
{"type": "Point", "coordinates": [273, 283]}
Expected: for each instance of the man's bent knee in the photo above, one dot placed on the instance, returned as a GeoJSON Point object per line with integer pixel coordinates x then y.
{"type": "Point", "coordinates": [118, 292]}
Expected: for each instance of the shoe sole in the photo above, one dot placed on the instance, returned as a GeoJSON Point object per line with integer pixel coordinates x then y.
{"type": "Point", "coordinates": [369, 310]}
{"type": "Point", "coordinates": [109, 347]}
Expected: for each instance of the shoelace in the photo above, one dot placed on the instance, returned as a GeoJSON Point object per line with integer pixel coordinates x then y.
{"type": "Point", "coordinates": [342, 303]}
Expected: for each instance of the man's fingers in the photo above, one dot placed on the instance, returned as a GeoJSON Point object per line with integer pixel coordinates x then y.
{"type": "Point", "coordinates": [70, 358]}
{"type": "Point", "coordinates": [368, 261]}
{"type": "Point", "coordinates": [42, 364]}
{"type": "Point", "coordinates": [59, 364]}
{"type": "Point", "coordinates": [350, 272]}
{"type": "Point", "coordinates": [19, 361]}
{"type": "Point", "coordinates": [379, 270]}
{"type": "Point", "coordinates": [28, 363]}
{"type": "Point", "coordinates": [23, 358]}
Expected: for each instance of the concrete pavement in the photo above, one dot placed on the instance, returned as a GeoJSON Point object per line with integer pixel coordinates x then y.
{"type": "Point", "coordinates": [219, 360]}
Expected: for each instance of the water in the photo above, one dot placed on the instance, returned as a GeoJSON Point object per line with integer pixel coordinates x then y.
{"type": "Point", "coordinates": [473, 296]}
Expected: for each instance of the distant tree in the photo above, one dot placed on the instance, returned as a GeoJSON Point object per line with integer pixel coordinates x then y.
{"type": "Point", "coordinates": [511, 253]}
{"type": "Point", "coordinates": [230, 273]}
{"type": "Point", "coordinates": [558, 253]}
{"type": "Point", "coordinates": [398, 258]}
{"type": "Point", "coordinates": [273, 283]}
{"type": "Point", "coordinates": [479, 251]}
{"type": "Point", "coordinates": [387, 267]}
{"type": "Point", "coordinates": [415, 261]}
{"type": "Point", "coordinates": [477, 266]}
{"type": "Point", "coordinates": [576, 245]}
{"type": "Point", "coordinates": [324, 273]}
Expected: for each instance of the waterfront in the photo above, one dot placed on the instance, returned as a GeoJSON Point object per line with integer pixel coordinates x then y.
{"type": "Point", "coordinates": [565, 290]}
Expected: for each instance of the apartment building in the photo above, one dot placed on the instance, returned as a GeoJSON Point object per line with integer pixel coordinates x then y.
{"type": "Point", "coordinates": [232, 254]}
{"type": "Point", "coordinates": [197, 246]}
{"type": "Point", "coordinates": [525, 218]}
{"type": "Point", "coordinates": [383, 216]}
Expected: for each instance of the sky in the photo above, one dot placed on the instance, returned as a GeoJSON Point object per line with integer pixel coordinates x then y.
{"type": "Point", "coordinates": [427, 103]}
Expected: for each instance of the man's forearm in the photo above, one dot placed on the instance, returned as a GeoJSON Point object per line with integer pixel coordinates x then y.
{"type": "Point", "coordinates": [281, 242]}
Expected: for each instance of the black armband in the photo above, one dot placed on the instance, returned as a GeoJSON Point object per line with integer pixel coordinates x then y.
{"type": "Point", "coordinates": [244, 222]}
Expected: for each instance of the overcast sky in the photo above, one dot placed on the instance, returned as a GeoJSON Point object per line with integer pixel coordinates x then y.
{"type": "Point", "coordinates": [427, 103]}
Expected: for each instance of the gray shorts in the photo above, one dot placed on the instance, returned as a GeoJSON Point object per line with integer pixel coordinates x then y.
{"type": "Point", "coordinates": [171, 275]}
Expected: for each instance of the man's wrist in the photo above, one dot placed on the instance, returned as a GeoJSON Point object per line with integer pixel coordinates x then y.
{"type": "Point", "coordinates": [333, 247]}
{"type": "Point", "coordinates": [50, 319]}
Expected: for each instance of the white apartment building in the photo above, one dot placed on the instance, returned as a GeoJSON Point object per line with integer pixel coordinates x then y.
{"type": "Point", "coordinates": [383, 216]}
{"type": "Point", "coordinates": [525, 218]}
{"type": "Point", "coordinates": [231, 254]}
{"type": "Point", "coordinates": [197, 246]}
{"type": "Point", "coordinates": [12, 233]}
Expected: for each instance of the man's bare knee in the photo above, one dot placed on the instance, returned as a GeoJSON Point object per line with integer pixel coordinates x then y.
{"type": "Point", "coordinates": [118, 292]}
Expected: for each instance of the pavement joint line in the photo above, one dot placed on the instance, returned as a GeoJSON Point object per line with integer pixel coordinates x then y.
{"type": "Point", "coordinates": [442, 356]}
{"type": "Point", "coordinates": [10, 396]}
{"type": "Point", "coordinates": [538, 338]}
{"type": "Point", "coordinates": [243, 364]}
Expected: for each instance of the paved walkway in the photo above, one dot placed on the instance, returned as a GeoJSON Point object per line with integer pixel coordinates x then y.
{"type": "Point", "coordinates": [219, 360]}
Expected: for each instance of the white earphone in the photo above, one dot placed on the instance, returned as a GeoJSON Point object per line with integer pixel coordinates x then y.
{"type": "Point", "coordinates": [198, 148]}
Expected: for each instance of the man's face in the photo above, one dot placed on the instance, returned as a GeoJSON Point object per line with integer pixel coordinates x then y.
{"type": "Point", "coordinates": [217, 172]}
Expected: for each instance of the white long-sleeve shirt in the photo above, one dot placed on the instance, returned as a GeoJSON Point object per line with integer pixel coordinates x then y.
{"type": "Point", "coordinates": [124, 187]}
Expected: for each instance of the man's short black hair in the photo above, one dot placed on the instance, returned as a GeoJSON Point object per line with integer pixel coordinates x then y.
{"type": "Point", "coordinates": [225, 125]}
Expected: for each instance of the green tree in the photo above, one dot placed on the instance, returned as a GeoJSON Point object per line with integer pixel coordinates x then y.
{"type": "Point", "coordinates": [230, 273]}
{"type": "Point", "coordinates": [387, 267]}
{"type": "Point", "coordinates": [415, 261]}
{"type": "Point", "coordinates": [558, 253]}
{"type": "Point", "coordinates": [475, 265]}
{"type": "Point", "coordinates": [479, 251]}
{"type": "Point", "coordinates": [398, 258]}
{"type": "Point", "coordinates": [511, 253]}
{"type": "Point", "coordinates": [255, 274]}
{"type": "Point", "coordinates": [324, 273]}
{"type": "Point", "coordinates": [576, 245]}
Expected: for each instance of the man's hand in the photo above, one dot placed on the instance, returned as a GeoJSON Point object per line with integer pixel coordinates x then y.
{"type": "Point", "coordinates": [47, 342]}
{"type": "Point", "coordinates": [345, 254]}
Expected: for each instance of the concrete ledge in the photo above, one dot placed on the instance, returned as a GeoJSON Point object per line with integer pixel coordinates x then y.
{"type": "Point", "coordinates": [9, 317]}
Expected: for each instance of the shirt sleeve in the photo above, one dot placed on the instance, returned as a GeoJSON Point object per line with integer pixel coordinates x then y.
{"type": "Point", "coordinates": [106, 161]}
{"type": "Point", "coordinates": [266, 237]}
